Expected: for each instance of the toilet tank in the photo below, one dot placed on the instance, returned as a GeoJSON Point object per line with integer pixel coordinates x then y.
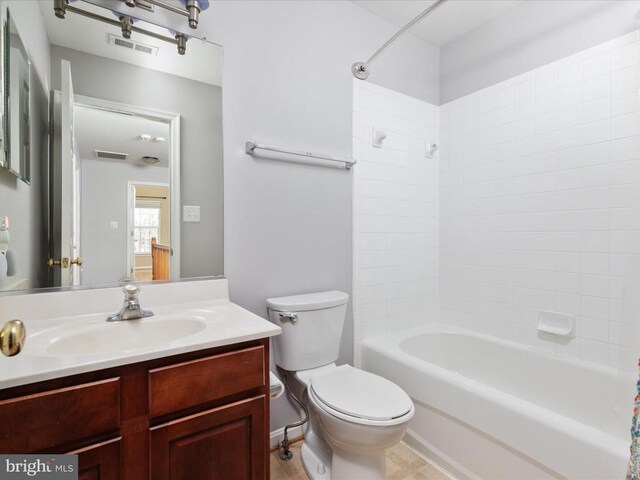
{"type": "Point", "coordinates": [311, 328]}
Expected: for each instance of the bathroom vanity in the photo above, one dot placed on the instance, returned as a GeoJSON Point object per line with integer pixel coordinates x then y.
{"type": "Point", "coordinates": [196, 406]}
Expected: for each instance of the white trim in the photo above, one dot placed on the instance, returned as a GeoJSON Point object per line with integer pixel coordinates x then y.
{"type": "Point", "coordinates": [149, 184]}
{"type": "Point", "coordinates": [294, 434]}
{"type": "Point", "coordinates": [131, 262]}
{"type": "Point", "coordinates": [100, 103]}
{"type": "Point", "coordinates": [176, 199]}
{"type": "Point", "coordinates": [173, 119]}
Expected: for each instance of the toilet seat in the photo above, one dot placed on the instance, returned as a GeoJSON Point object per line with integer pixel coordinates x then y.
{"type": "Point", "coordinates": [360, 397]}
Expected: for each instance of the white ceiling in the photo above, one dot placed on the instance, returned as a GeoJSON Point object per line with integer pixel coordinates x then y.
{"type": "Point", "coordinates": [449, 21]}
{"type": "Point", "coordinates": [202, 61]}
{"type": "Point", "coordinates": [115, 132]}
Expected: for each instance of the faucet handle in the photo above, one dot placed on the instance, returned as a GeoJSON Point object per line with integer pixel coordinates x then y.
{"type": "Point", "coordinates": [131, 291]}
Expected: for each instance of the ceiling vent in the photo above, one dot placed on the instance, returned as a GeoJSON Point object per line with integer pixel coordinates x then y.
{"type": "Point", "coordinates": [131, 45]}
{"type": "Point", "coordinates": [111, 155]}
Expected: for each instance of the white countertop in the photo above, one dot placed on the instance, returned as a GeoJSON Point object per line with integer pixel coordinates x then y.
{"type": "Point", "coordinates": [211, 322]}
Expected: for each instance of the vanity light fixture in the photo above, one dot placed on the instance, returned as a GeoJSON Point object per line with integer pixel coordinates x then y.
{"type": "Point", "coordinates": [125, 22]}
{"type": "Point", "coordinates": [160, 139]}
{"type": "Point", "coordinates": [181, 41]}
{"type": "Point", "coordinates": [145, 137]}
{"type": "Point", "coordinates": [191, 10]}
{"type": "Point", "coordinates": [60, 7]}
{"type": "Point", "coordinates": [194, 7]}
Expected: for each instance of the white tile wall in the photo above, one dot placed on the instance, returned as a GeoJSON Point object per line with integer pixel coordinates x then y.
{"type": "Point", "coordinates": [531, 203]}
{"type": "Point", "coordinates": [395, 213]}
{"type": "Point", "coordinates": [540, 205]}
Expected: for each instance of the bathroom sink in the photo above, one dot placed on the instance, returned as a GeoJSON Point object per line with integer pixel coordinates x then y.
{"type": "Point", "coordinates": [94, 338]}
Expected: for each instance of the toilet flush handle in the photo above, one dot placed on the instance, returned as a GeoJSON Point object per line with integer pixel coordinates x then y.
{"type": "Point", "coordinates": [291, 316]}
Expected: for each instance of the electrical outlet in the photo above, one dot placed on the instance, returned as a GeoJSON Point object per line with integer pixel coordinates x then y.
{"type": "Point", "coordinates": [191, 213]}
{"type": "Point", "coordinates": [4, 223]}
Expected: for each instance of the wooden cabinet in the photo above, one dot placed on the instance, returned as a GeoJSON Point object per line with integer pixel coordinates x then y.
{"type": "Point", "coordinates": [216, 444]}
{"type": "Point", "coordinates": [100, 461]}
{"type": "Point", "coordinates": [197, 416]}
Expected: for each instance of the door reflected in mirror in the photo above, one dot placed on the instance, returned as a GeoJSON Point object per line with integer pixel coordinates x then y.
{"type": "Point", "coordinates": [135, 136]}
{"type": "Point", "coordinates": [113, 144]}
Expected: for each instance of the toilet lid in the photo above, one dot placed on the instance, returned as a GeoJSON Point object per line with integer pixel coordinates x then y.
{"type": "Point", "coordinates": [361, 394]}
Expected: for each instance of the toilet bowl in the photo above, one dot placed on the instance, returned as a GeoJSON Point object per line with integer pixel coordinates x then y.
{"type": "Point", "coordinates": [353, 415]}
{"type": "Point", "coordinates": [360, 415]}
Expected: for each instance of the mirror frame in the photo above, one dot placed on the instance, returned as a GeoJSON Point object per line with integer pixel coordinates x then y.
{"type": "Point", "coordinates": [23, 171]}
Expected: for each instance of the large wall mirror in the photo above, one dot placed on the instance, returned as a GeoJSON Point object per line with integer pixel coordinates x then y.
{"type": "Point", "coordinates": [113, 165]}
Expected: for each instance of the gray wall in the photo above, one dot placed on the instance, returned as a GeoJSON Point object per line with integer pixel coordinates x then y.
{"type": "Point", "coordinates": [200, 107]}
{"type": "Point", "coordinates": [532, 34]}
{"type": "Point", "coordinates": [104, 197]}
{"type": "Point", "coordinates": [287, 81]}
{"type": "Point", "coordinates": [22, 203]}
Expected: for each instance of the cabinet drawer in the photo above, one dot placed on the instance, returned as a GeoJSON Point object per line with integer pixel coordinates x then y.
{"type": "Point", "coordinates": [184, 385]}
{"type": "Point", "coordinates": [57, 417]}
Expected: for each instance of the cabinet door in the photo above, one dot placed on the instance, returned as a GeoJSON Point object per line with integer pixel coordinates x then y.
{"type": "Point", "coordinates": [100, 461]}
{"type": "Point", "coordinates": [225, 443]}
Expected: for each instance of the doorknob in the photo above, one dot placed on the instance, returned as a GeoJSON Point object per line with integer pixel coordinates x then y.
{"type": "Point", "coordinates": [12, 337]}
{"type": "Point", "coordinates": [63, 262]}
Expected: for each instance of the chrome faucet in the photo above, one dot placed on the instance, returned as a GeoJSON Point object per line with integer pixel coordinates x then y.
{"type": "Point", "coordinates": [131, 309]}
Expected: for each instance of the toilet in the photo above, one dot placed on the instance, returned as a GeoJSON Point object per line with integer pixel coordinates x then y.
{"type": "Point", "coordinates": [354, 415]}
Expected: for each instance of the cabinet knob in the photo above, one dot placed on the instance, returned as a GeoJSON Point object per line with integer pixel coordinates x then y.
{"type": "Point", "coordinates": [12, 337]}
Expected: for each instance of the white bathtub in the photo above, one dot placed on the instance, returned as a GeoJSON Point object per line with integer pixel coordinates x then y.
{"type": "Point", "coordinates": [493, 409]}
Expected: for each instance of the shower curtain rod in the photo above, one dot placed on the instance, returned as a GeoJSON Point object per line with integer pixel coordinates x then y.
{"type": "Point", "coordinates": [361, 69]}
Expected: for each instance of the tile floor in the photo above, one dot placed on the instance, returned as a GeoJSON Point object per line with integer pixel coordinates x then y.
{"type": "Point", "coordinates": [402, 464]}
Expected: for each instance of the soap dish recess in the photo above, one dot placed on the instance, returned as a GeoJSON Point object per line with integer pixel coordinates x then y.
{"type": "Point", "coordinates": [556, 323]}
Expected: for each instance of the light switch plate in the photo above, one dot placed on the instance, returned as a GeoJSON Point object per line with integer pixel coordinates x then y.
{"type": "Point", "coordinates": [113, 224]}
{"type": "Point", "coordinates": [191, 213]}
